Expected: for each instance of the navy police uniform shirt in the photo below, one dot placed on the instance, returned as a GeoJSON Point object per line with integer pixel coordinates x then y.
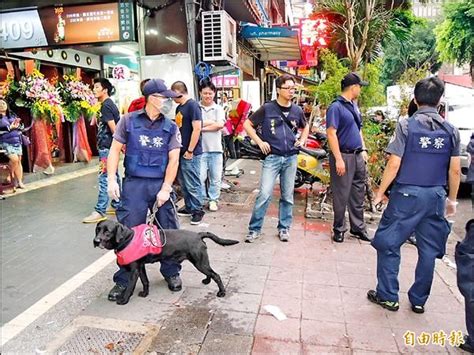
{"type": "Point", "coordinates": [427, 116]}
{"type": "Point", "coordinates": [345, 117]}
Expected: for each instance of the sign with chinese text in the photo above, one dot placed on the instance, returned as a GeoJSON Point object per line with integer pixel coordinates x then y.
{"type": "Point", "coordinates": [66, 25]}
{"type": "Point", "coordinates": [313, 32]}
{"type": "Point", "coordinates": [226, 81]}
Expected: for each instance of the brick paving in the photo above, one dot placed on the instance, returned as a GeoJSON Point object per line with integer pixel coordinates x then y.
{"type": "Point", "coordinates": [319, 285]}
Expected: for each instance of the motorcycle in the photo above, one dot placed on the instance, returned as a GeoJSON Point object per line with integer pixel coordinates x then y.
{"type": "Point", "coordinates": [312, 166]}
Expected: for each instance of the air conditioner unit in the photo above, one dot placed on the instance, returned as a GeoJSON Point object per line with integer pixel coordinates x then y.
{"type": "Point", "coordinates": [219, 36]}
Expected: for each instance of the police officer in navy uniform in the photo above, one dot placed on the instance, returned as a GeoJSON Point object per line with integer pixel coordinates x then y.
{"type": "Point", "coordinates": [347, 161]}
{"type": "Point", "coordinates": [424, 161]}
{"type": "Point", "coordinates": [151, 164]}
{"type": "Point", "coordinates": [465, 276]}
{"type": "Point", "coordinates": [278, 121]}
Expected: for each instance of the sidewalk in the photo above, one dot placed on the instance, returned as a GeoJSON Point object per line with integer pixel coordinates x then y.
{"type": "Point", "coordinates": [319, 285]}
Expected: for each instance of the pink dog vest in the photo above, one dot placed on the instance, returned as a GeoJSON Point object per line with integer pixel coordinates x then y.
{"type": "Point", "coordinates": [145, 241]}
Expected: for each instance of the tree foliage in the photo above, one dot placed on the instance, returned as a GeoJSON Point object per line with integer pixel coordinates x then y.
{"type": "Point", "coordinates": [455, 35]}
{"type": "Point", "coordinates": [359, 24]}
{"type": "Point", "coordinates": [334, 71]}
{"type": "Point", "coordinates": [417, 49]}
{"type": "Point", "coordinates": [374, 94]}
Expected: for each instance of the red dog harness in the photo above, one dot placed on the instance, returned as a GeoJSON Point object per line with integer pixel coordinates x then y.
{"type": "Point", "coordinates": [146, 240]}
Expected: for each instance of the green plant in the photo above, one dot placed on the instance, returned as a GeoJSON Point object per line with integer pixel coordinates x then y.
{"type": "Point", "coordinates": [455, 35]}
{"type": "Point", "coordinates": [377, 136]}
{"type": "Point", "coordinates": [334, 70]}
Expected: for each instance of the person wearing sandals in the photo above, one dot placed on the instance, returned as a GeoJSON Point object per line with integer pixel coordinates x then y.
{"type": "Point", "coordinates": [11, 141]}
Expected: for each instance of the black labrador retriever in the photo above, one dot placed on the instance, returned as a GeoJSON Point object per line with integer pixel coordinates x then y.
{"type": "Point", "coordinates": [180, 245]}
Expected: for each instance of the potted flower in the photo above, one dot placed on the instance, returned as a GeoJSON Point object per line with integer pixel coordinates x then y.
{"type": "Point", "coordinates": [35, 92]}
{"type": "Point", "coordinates": [79, 102]}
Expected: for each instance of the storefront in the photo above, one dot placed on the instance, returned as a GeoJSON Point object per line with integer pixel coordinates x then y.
{"type": "Point", "coordinates": [60, 43]}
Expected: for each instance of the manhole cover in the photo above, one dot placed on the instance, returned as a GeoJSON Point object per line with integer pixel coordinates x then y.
{"type": "Point", "coordinates": [100, 341]}
{"type": "Point", "coordinates": [236, 198]}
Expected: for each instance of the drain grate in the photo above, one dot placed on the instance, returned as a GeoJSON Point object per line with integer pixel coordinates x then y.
{"type": "Point", "coordinates": [100, 341]}
{"type": "Point", "coordinates": [236, 198]}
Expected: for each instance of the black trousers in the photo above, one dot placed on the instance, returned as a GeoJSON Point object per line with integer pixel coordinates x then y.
{"type": "Point", "coordinates": [348, 191]}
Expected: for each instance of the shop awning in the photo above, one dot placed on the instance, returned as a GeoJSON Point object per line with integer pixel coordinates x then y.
{"type": "Point", "coordinates": [272, 43]}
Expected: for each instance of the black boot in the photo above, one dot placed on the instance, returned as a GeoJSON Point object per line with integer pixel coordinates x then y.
{"type": "Point", "coordinates": [174, 283]}
{"type": "Point", "coordinates": [338, 237]}
{"type": "Point", "coordinates": [116, 292]}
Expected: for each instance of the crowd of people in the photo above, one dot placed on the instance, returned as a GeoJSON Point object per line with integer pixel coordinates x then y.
{"type": "Point", "coordinates": [158, 150]}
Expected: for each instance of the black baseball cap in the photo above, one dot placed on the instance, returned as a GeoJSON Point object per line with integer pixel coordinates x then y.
{"type": "Point", "coordinates": [352, 79]}
{"type": "Point", "coordinates": [157, 86]}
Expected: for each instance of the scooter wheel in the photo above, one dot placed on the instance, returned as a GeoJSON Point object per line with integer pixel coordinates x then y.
{"type": "Point", "coordinates": [299, 179]}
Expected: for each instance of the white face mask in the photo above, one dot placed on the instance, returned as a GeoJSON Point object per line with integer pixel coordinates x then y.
{"type": "Point", "coordinates": [166, 107]}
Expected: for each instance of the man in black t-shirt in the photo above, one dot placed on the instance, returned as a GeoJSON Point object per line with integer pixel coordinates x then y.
{"type": "Point", "coordinates": [108, 117]}
{"type": "Point", "coordinates": [189, 121]}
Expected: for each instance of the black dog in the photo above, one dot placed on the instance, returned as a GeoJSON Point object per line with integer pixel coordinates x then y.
{"type": "Point", "coordinates": [180, 245]}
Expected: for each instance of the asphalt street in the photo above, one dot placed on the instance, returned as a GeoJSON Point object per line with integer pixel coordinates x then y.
{"type": "Point", "coordinates": [44, 242]}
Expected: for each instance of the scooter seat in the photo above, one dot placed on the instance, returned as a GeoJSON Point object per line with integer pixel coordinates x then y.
{"type": "Point", "coordinates": [316, 153]}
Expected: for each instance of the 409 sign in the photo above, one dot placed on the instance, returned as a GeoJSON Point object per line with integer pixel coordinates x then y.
{"type": "Point", "coordinates": [22, 30]}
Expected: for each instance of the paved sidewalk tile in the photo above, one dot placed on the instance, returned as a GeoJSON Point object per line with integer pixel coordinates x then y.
{"type": "Point", "coordinates": [266, 346]}
{"type": "Point", "coordinates": [269, 327]}
{"type": "Point", "coordinates": [321, 286]}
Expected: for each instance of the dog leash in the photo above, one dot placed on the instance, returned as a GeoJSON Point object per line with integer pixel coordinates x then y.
{"type": "Point", "coordinates": [151, 218]}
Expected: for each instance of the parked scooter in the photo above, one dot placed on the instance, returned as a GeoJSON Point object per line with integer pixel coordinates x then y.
{"type": "Point", "coordinates": [313, 166]}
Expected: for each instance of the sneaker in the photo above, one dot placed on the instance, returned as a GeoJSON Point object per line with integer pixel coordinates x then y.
{"type": "Point", "coordinates": [110, 211]}
{"type": "Point", "coordinates": [284, 235]}
{"type": "Point", "coordinates": [116, 292]}
{"type": "Point", "coordinates": [213, 206]}
{"type": "Point", "coordinates": [373, 297]}
{"type": "Point", "coordinates": [252, 236]}
{"type": "Point", "coordinates": [418, 309]}
{"type": "Point", "coordinates": [184, 212]}
{"type": "Point", "coordinates": [196, 218]}
{"type": "Point", "coordinates": [20, 185]}
{"type": "Point", "coordinates": [174, 283]}
{"type": "Point", "coordinates": [94, 217]}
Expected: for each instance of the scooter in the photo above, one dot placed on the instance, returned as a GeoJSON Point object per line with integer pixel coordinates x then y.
{"type": "Point", "coordinates": [313, 166]}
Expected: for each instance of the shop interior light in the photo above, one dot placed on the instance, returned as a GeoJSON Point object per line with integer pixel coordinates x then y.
{"type": "Point", "coordinates": [151, 32]}
{"type": "Point", "coordinates": [122, 50]}
{"type": "Point", "coordinates": [174, 39]}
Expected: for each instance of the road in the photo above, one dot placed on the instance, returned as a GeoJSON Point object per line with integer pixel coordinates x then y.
{"type": "Point", "coordinates": [44, 242]}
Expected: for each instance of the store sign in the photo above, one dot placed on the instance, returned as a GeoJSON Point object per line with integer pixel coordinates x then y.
{"type": "Point", "coordinates": [226, 81]}
{"type": "Point", "coordinates": [121, 72]}
{"type": "Point", "coordinates": [313, 32]}
{"type": "Point", "coordinates": [21, 29]}
{"type": "Point", "coordinates": [66, 25]}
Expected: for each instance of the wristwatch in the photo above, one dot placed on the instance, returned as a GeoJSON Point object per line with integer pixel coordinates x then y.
{"type": "Point", "coordinates": [189, 151]}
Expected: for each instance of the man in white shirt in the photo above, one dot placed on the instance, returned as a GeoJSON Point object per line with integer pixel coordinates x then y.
{"type": "Point", "coordinates": [213, 117]}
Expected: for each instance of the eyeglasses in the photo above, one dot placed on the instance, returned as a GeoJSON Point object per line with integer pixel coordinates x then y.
{"type": "Point", "coordinates": [290, 88]}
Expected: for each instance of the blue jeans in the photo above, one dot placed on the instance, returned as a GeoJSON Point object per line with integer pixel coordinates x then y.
{"type": "Point", "coordinates": [139, 196]}
{"type": "Point", "coordinates": [190, 182]}
{"type": "Point", "coordinates": [211, 162]}
{"type": "Point", "coordinates": [411, 209]}
{"type": "Point", "coordinates": [103, 199]}
{"type": "Point", "coordinates": [274, 166]}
